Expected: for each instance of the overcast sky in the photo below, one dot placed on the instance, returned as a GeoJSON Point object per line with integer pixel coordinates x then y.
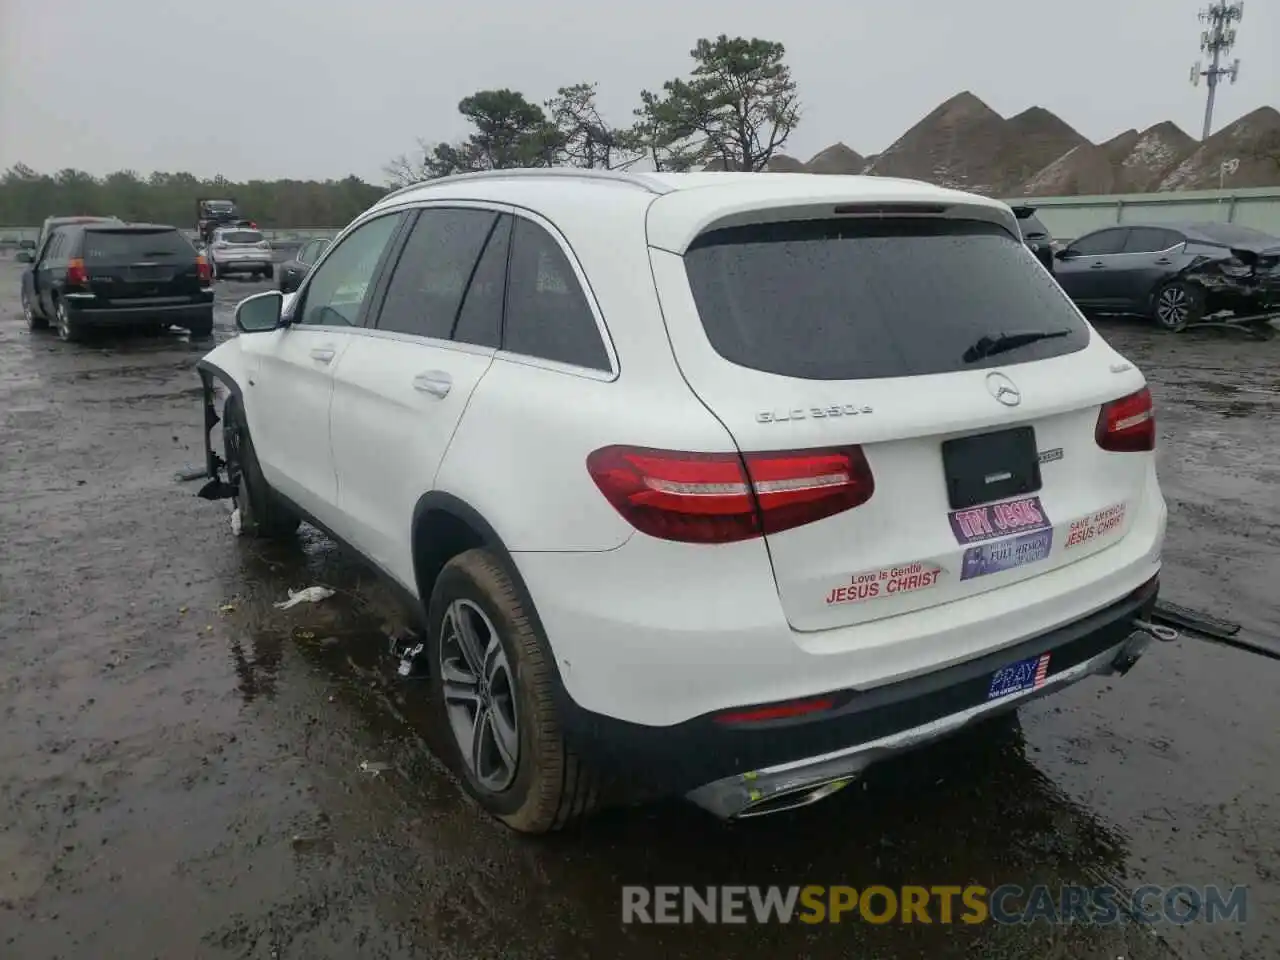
{"type": "Point", "coordinates": [323, 88]}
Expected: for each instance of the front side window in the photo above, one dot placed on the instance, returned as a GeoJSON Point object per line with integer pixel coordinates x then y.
{"type": "Point", "coordinates": [547, 313]}
{"type": "Point", "coordinates": [339, 287]}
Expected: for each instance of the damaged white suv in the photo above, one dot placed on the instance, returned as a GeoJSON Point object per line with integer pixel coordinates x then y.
{"type": "Point", "coordinates": [723, 485]}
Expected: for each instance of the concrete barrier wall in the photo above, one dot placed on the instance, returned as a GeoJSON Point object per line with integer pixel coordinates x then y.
{"type": "Point", "coordinates": [1066, 217]}
{"type": "Point", "coordinates": [1070, 217]}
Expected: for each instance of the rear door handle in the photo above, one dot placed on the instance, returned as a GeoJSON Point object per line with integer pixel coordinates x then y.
{"type": "Point", "coordinates": [1164, 261]}
{"type": "Point", "coordinates": [323, 354]}
{"type": "Point", "coordinates": [435, 382]}
{"type": "Point", "coordinates": [1097, 266]}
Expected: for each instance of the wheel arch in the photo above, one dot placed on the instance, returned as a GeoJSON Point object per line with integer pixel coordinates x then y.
{"type": "Point", "coordinates": [457, 526]}
{"type": "Point", "coordinates": [443, 527]}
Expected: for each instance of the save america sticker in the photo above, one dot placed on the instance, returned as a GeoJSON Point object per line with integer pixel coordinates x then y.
{"type": "Point", "coordinates": [1100, 524]}
{"type": "Point", "coordinates": [987, 558]}
{"type": "Point", "coordinates": [993, 520]}
{"type": "Point", "coordinates": [885, 582]}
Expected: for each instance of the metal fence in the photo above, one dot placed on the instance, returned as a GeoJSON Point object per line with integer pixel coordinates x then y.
{"type": "Point", "coordinates": [1066, 217]}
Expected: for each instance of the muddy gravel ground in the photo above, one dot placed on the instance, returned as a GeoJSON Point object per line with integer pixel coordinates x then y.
{"type": "Point", "coordinates": [181, 763]}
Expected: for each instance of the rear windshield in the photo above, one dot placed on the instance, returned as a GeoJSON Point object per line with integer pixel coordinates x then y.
{"type": "Point", "coordinates": [241, 236]}
{"type": "Point", "coordinates": [865, 299]}
{"type": "Point", "coordinates": [135, 245]}
{"type": "Point", "coordinates": [219, 206]}
{"type": "Point", "coordinates": [1032, 227]}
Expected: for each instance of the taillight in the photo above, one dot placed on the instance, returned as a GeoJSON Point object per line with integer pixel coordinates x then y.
{"type": "Point", "coordinates": [264, 245]}
{"type": "Point", "coordinates": [1235, 267]}
{"type": "Point", "coordinates": [77, 276]}
{"type": "Point", "coordinates": [1127, 425]}
{"type": "Point", "coordinates": [202, 268]}
{"type": "Point", "coordinates": [724, 497]}
{"type": "Point", "coordinates": [777, 711]}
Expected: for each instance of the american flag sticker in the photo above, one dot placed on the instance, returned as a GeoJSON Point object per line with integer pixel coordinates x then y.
{"type": "Point", "coordinates": [1042, 671]}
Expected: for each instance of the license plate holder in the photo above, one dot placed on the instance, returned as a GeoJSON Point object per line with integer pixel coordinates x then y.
{"type": "Point", "coordinates": [991, 466]}
{"type": "Point", "coordinates": [1019, 677]}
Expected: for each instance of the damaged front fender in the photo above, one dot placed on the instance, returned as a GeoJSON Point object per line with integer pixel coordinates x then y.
{"type": "Point", "coordinates": [217, 488]}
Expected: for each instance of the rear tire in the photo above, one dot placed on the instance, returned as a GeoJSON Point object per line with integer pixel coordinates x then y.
{"type": "Point", "coordinates": [201, 329]}
{"type": "Point", "coordinates": [70, 330]}
{"type": "Point", "coordinates": [34, 320]}
{"type": "Point", "coordinates": [262, 514]}
{"type": "Point", "coordinates": [1176, 305]}
{"type": "Point", "coordinates": [519, 767]}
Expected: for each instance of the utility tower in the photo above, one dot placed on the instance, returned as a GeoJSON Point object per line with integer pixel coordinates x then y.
{"type": "Point", "coordinates": [1217, 41]}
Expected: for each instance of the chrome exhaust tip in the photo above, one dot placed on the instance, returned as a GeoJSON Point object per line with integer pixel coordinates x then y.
{"type": "Point", "coordinates": [793, 799]}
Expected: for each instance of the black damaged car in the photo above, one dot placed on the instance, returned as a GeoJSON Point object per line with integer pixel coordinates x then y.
{"type": "Point", "coordinates": [1174, 273]}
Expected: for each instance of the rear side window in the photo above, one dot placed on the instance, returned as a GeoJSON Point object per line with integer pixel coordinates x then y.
{"type": "Point", "coordinates": [425, 292]}
{"type": "Point", "coordinates": [547, 313]}
{"type": "Point", "coordinates": [1032, 227]}
{"type": "Point", "coordinates": [135, 245]}
{"type": "Point", "coordinates": [241, 236]}
{"type": "Point", "coordinates": [1101, 243]}
{"type": "Point", "coordinates": [1150, 239]}
{"type": "Point", "coordinates": [866, 299]}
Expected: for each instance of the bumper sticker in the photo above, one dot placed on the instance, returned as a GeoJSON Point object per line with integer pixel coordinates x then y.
{"type": "Point", "coordinates": [1100, 524]}
{"type": "Point", "coordinates": [993, 520]}
{"type": "Point", "coordinates": [1029, 674]}
{"type": "Point", "coordinates": [885, 582]}
{"type": "Point", "coordinates": [987, 558]}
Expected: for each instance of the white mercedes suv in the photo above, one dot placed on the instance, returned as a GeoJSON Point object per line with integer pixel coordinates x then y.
{"type": "Point", "coordinates": [718, 485]}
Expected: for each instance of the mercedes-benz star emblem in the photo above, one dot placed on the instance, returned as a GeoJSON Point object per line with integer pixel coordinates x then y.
{"type": "Point", "coordinates": [1002, 388]}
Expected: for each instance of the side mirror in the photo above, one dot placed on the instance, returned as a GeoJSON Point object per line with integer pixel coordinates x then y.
{"type": "Point", "coordinates": [261, 312]}
{"type": "Point", "coordinates": [25, 256]}
{"type": "Point", "coordinates": [1066, 253]}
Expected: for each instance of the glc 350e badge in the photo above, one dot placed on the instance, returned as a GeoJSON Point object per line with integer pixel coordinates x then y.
{"type": "Point", "coordinates": [804, 413]}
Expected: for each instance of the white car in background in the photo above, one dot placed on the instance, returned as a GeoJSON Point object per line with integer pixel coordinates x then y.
{"type": "Point", "coordinates": [717, 485]}
{"type": "Point", "coordinates": [240, 250]}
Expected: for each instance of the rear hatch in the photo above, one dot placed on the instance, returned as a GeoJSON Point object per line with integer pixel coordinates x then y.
{"type": "Point", "coordinates": [132, 265]}
{"type": "Point", "coordinates": [930, 349]}
{"type": "Point", "coordinates": [241, 245]}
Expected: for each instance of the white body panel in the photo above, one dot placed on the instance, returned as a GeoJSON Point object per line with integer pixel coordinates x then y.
{"type": "Point", "coordinates": [397, 401]}
{"type": "Point", "coordinates": [287, 399]}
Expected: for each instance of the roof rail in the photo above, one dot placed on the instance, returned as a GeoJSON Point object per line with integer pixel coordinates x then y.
{"type": "Point", "coordinates": [638, 180]}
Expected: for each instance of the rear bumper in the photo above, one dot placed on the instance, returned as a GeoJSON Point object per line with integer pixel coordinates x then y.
{"type": "Point", "coordinates": [93, 311]}
{"type": "Point", "coordinates": [244, 263]}
{"type": "Point", "coordinates": [727, 768]}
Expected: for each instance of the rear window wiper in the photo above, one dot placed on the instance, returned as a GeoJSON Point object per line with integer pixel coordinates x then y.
{"type": "Point", "coordinates": [988, 346]}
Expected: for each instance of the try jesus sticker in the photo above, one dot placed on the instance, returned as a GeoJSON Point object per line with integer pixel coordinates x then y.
{"type": "Point", "coordinates": [993, 520]}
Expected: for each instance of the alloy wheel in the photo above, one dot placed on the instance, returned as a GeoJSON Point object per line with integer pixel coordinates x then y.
{"type": "Point", "coordinates": [479, 695]}
{"type": "Point", "coordinates": [1173, 307]}
{"type": "Point", "coordinates": [64, 321]}
{"type": "Point", "coordinates": [27, 313]}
